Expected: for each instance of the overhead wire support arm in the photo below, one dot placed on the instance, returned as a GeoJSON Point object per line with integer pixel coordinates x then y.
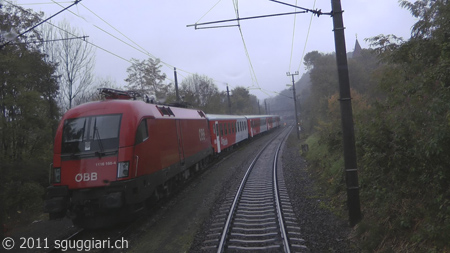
{"type": "Point", "coordinates": [316, 12]}
{"type": "Point", "coordinates": [44, 41]}
{"type": "Point", "coordinates": [239, 19]}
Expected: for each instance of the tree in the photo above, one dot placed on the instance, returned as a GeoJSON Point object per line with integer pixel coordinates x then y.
{"type": "Point", "coordinates": [324, 83]}
{"type": "Point", "coordinates": [311, 58]}
{"type": "Point", "coordinates": [76, 63]}
{"type": "Point", "coordinates": [75, 58]}
{"type": "Point", "coordinates": [28, 116]}
{"type": "Point", "coordinates": [145, 76]}
{"type": "Point", "coordinates": [15, 20]}
{"type": "Point", "coordinates": [201, 92]}
{"type": "Point", "coordinates": [432, 15]}
{"type": "Point", "coordinates": [403, 139]}
{"type": "Point", "coordinates": [242, 102]}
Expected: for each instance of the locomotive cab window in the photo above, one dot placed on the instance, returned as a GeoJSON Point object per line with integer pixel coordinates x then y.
{"type": "Point", "coordinates": [94, 134]}
{"type": "Point", "coordinates": [142, 132]}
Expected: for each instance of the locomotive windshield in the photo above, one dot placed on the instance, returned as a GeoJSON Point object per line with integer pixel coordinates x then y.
{"type": "Point", "coordinates": [95, 134]}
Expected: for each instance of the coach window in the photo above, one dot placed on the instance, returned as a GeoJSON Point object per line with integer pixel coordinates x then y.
{"type": "Point", "coordinates": [142, 132]}
{"type": "Point", "coordinates": [221, 129]}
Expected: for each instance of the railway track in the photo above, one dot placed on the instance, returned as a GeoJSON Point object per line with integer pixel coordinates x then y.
{"type": "Point", "coordinates": [259, 216]}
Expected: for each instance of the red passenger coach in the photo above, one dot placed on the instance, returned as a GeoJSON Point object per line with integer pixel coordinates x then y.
{"type": "Point", "coordinates": [273, 121]}
{"type": "Point", "coordinates": [226, 130]}
{"type": "Point", "coordinates": [256, 125]}
{"type": "Point", "coordinates": [115, 154]}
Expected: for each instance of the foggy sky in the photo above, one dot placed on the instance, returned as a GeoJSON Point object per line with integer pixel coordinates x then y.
{"type": "Point", "coordinates": [159, 29]}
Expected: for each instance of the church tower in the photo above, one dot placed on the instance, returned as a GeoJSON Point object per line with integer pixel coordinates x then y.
{"type": "Point", "coordinates": [357, 50]}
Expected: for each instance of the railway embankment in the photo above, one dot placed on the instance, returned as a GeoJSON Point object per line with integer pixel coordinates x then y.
{"type": "Point", "coordinates": [323, 227]}
{"type": "Point", "coordinates": [399, 215]}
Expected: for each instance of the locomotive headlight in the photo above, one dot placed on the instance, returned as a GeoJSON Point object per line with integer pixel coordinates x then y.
{"type": "Point", "coordinates": [57, 175]}
{"type": "Point", "coordinates": [123, 169]}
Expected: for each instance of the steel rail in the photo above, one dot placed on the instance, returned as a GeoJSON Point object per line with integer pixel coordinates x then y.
{"type": "Point", "coordinates": [231, 213]}
{"type": "Point", "coordinates": [277, 197]}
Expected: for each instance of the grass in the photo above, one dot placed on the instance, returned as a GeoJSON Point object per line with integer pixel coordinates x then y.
{"type": "Point", "coordinates": [396, 217]}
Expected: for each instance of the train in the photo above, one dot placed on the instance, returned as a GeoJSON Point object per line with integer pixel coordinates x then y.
{"type": "Point", "coordinates": [116, 155]}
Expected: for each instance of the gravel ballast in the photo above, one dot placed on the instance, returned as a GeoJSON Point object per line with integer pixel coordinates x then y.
{"type": "Point", "coordinates": [322, 230]}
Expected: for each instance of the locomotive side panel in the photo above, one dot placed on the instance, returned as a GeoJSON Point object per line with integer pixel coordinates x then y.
{"type": "Point", "coordinates": [196, 140]}
{"type": "Point", "coordinates": [165, 144]}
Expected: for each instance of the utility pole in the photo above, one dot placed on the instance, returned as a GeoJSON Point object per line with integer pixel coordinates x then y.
{"type": "Point", "coordinates": [176, 84]}
{"type": "Point", "coordinates": [259, 107]}
{"type": "Point", "coordinates": [295, 102]}
{"type": "Point", "coordinates": [351, 171]}
{"type": "Point", "coordinates": [229, 101]}
{"type": "Point", "coordinates": [265, 105]}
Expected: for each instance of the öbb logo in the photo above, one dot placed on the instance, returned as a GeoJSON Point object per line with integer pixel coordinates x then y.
{"type": "Point", "coordinates": [86, 177]}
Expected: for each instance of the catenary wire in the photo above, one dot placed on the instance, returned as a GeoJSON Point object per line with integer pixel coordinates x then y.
{"type": "Point", "coordinates": [50, 23]}
{"type": "Point", "coordinates": [209, 11]}
{"type": "Point", "coordinates": [143, 50]}
{"type": "Point", "coordinates": [252, 70]}
{"type": "Point", "coordinates": [67, 2]}
{"type": "Point", "coordinates": [293, 39]}
{"type": "Point", "coordinates": [254, 78]}
{"type": "Point", "coordinates": [306, 40]}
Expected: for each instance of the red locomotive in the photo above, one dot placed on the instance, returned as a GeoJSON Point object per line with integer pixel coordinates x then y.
{"type": "Point", "coordinates": [114, 155]}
